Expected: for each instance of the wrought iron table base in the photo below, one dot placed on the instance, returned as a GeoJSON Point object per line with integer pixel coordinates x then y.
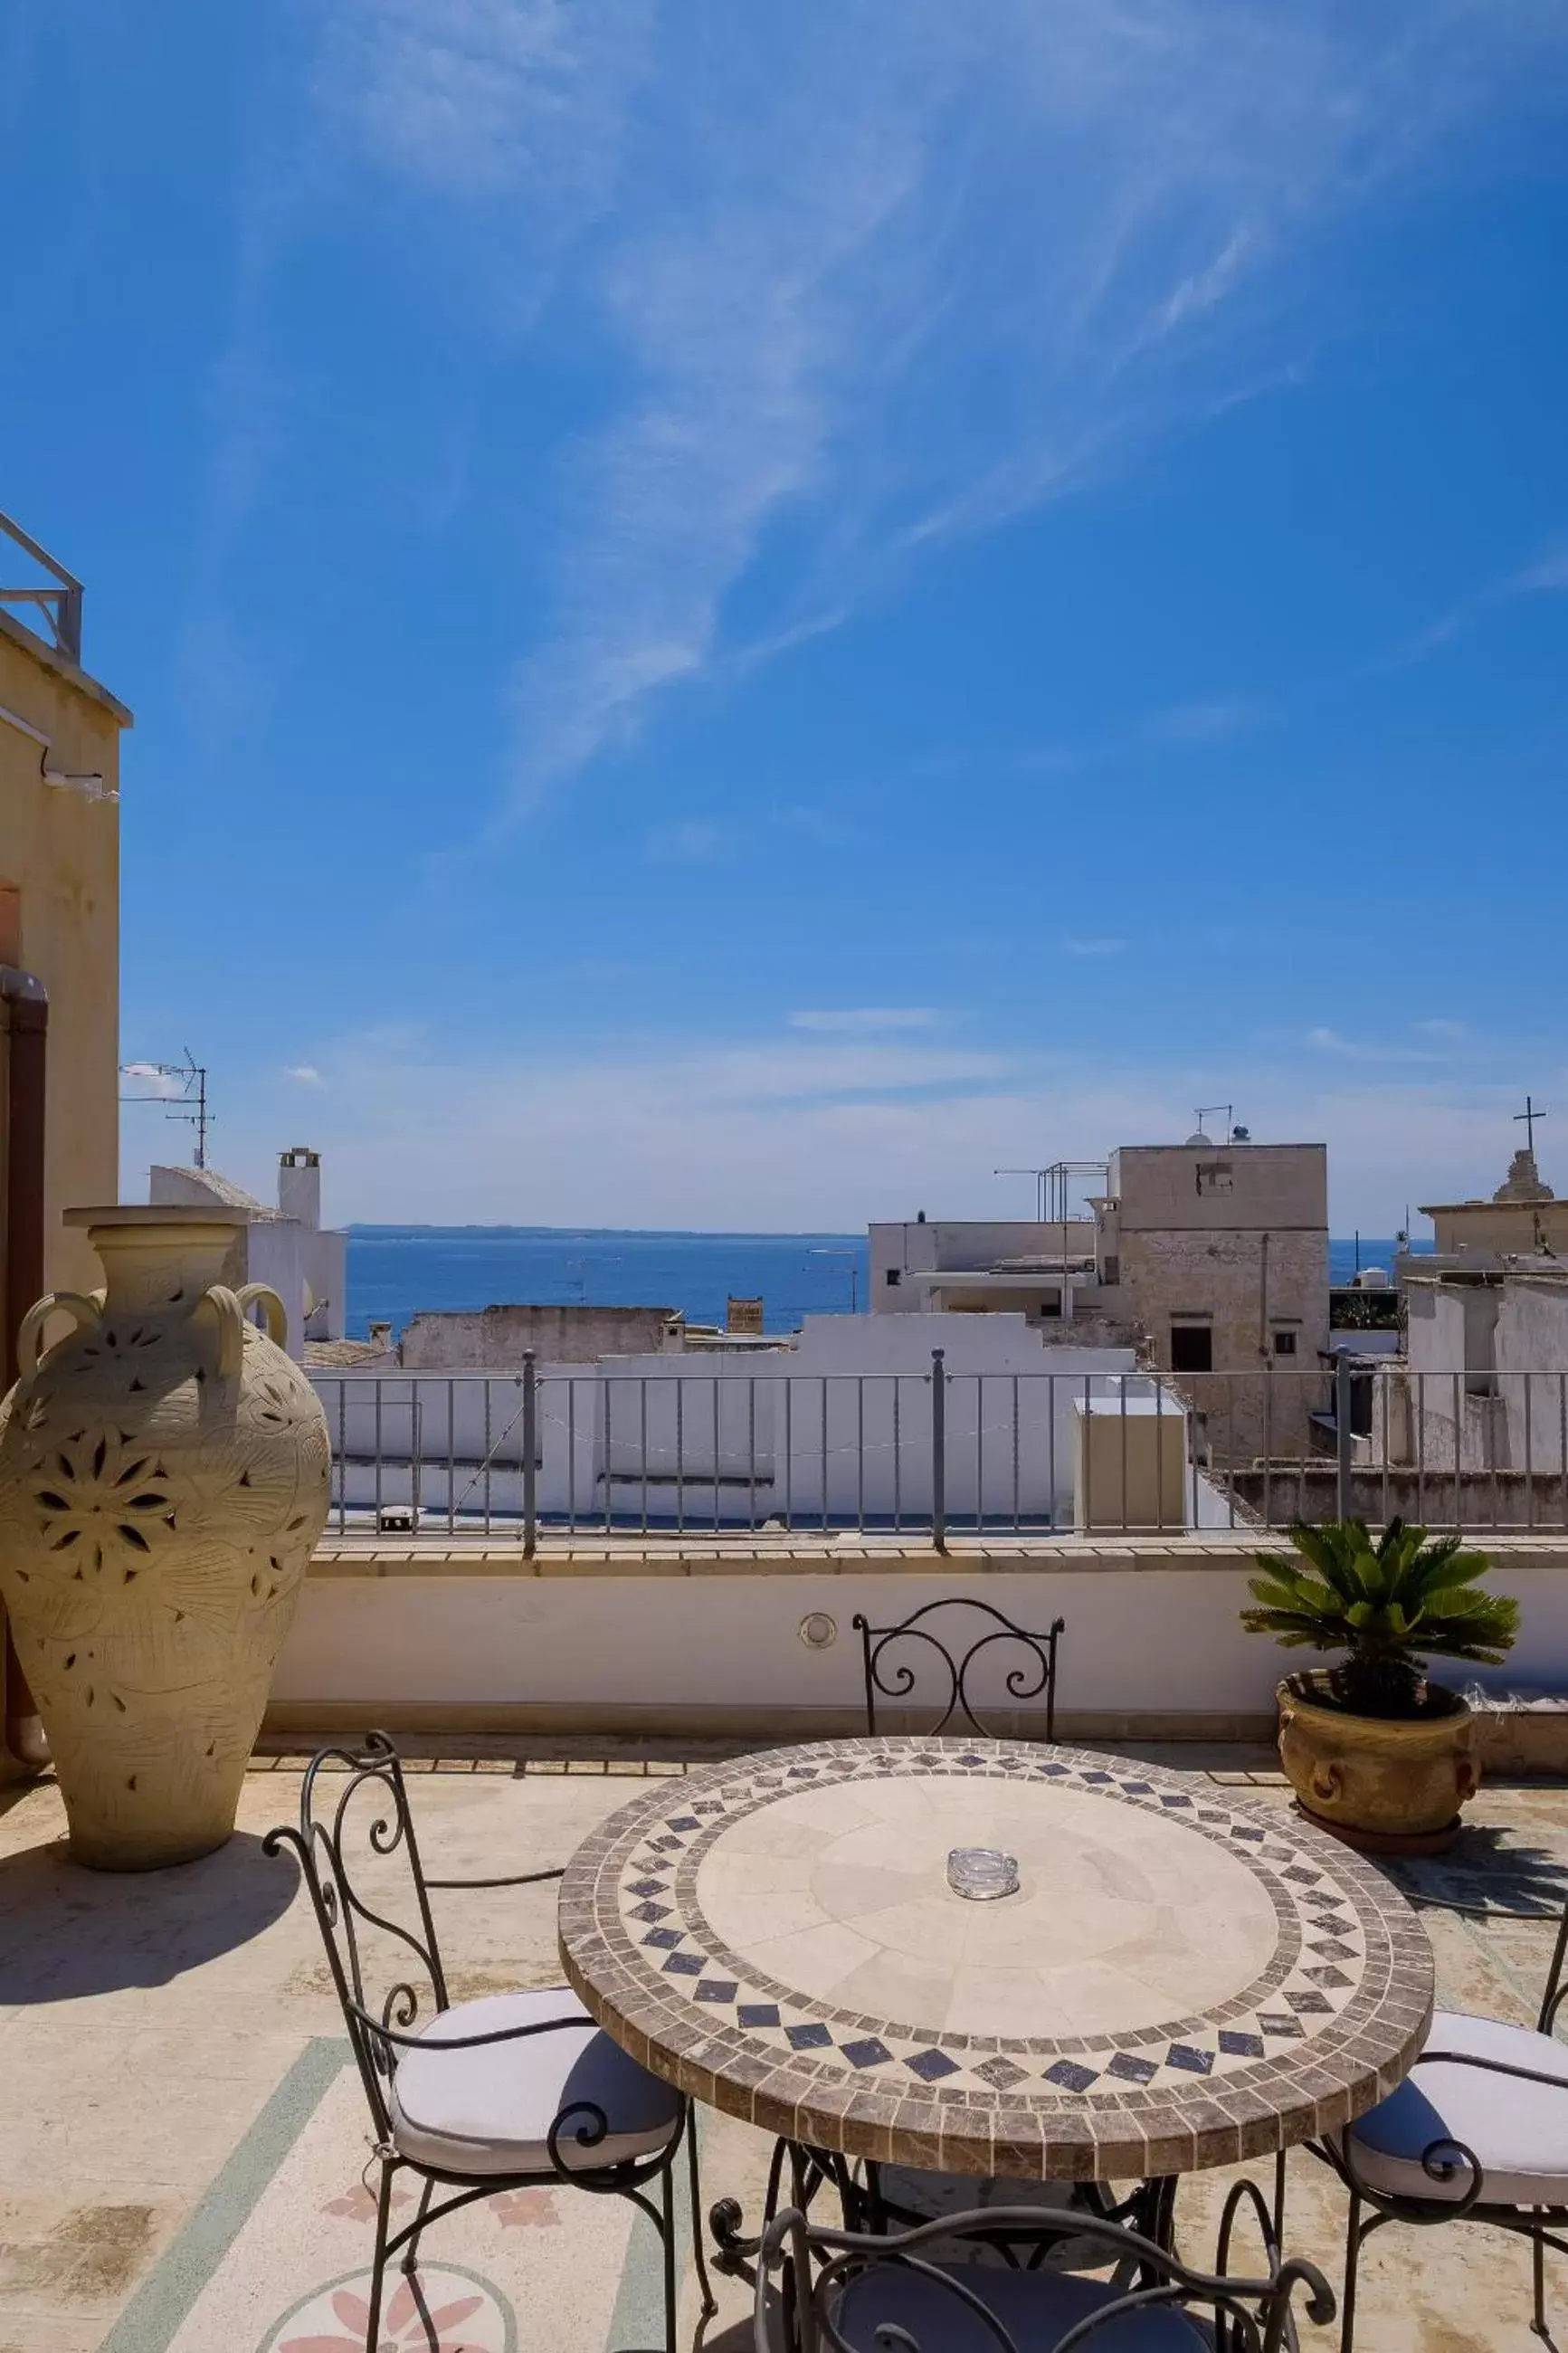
{"type": "Point", "coordinates": [1150, 2208]}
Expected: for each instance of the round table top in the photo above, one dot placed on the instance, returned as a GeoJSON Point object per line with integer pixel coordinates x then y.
{"type": "Point", "coordinates": [1182, 1978]}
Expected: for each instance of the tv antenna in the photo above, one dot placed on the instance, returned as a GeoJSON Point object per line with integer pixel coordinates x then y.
{"type": "Point", "coordinates": [1230, 1110]}
{"type": "Point", "coordinates": [1055, 1187]}
{"type": "Point", "coordinates": [1040, 1177]}
{"type": "Point", "coordinates": [190, 1104]}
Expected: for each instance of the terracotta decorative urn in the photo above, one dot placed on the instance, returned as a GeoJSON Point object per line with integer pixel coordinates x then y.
{"type": "Point", "coordinates": [1387, 1786]}
{"type": "Point", "coordinates": [163, 1475]}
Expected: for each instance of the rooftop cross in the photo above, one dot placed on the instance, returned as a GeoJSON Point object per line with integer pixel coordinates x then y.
{"type": "Point", "coordinates": [1529, 1115]}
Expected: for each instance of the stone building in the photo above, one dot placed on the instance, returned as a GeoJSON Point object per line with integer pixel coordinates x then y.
{"type": "Point", "coordinates": [59, 911]}
{"type": "Point", "coordinates": [60, 976]}
{"type": "Point", "coordinates": [1211, 1259]}
{"type": "Point", "coordinates": [1522, 1215]}
{"type": "Point", "coordinates": [1483, 1384]}
{"type": "Point", "coordinates": [494, 1339]}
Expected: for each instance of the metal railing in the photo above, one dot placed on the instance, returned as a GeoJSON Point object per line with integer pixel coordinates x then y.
{"type": "Point", "coordinates": [731, 1448]}
{"type": "Point", "coordinates": [57, 600]}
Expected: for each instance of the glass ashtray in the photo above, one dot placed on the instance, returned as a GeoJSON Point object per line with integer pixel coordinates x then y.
{"type": "Point", "coordinates": [982, 1874]}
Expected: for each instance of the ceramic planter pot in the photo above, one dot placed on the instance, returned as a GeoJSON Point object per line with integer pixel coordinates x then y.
{"type": "Point", "coordinates": [163, 1476]}
{"type": "Point", "coordinates": [1389, 1787]}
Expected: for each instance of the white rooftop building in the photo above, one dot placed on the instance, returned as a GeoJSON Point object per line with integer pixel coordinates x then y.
{"type": "Point", "coordinates": [286, 1247]}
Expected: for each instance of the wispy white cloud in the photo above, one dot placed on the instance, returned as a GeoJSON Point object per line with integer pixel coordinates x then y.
{"type": "Point", "coordinates": [1218, 721]}
{"type": "Point", "coordinates": [869, 1018]}
{"type": "Point", "coordinates": [304, 1075]}
{"type": "Point", "coordinates": [153, 1080]}
{"type": "Point", "coordinates": [691, 842]}
{"type": "Point", "coordinates": [830, 1130]}
{"type": "Point", "coordinates": [1365, 1050]}
{"type": "Point", "coordinates": [515, 105]}
{"type": "Point", "coordinates": [876, 275]}
{"type": "Point", "coordinates": [1546, 576]}
{"type": "Point", "coordinates": [1076, 945]}
{"type": "Point", "coordinates": [1205, 287]}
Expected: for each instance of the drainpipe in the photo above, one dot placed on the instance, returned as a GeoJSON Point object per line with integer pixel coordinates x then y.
{"type": "Point", "coordinates": [27, 1003]}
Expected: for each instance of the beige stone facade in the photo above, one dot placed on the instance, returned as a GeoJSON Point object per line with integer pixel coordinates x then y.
{"type": "Point", "coordinates": [1522, 1215]}
{"type": "Point", "coordinates": [493, 1339]}
{"type": "Point", "coordinates": [1219, 1257]}
{"type": "Point", "coordinates": [1213, 1260]}
{"type": "Point", "coordinates": [59, 916]}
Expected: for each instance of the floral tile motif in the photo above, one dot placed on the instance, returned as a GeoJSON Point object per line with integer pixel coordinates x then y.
{"type": "Point", "coordinates": [440, 2310]}
{"type": "Point", "coordinates": [358, 2203]}
{"type": "Point", "coordinates": [526, 2209]}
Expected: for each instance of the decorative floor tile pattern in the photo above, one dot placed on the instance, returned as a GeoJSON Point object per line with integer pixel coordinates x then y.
{"type": "Point", "coordinates": [295, 2277]}
{"type": "Point", "coordinates": [1184, 1980]}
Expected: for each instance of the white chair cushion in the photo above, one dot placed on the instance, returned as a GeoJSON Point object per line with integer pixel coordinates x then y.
{"type": "Point", "coordinates": [1036, 2308]}
{"type": "Point", "coordinates": [1518, 2131]}
{"type": "Point", "coordinates": [489, 2110]}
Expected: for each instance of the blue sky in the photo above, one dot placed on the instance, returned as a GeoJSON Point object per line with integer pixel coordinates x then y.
{"type": "Point", "coordinates": [739, 614]}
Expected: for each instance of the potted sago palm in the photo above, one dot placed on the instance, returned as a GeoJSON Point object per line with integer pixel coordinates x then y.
{"type": "Point", "coordinates": [1374, 1751]}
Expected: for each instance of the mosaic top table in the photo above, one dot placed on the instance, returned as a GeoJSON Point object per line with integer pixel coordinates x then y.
{"type": "Point", "coordinates": [1181, 1980]}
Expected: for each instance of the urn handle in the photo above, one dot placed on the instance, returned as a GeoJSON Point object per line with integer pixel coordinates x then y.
{"type": "Point", "coordinates": [229, 1308]}
{"type": "Point", "coordinates": [85, 1312]}
{"type": "Point", "coordinates": [262, 1295]}
{"type": "Point", "coordinates": [230, 1319]}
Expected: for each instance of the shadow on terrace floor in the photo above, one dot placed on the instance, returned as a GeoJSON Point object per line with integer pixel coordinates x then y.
{"type": "Point", "coordinates": [1493, 1872]}
{"type": "Point", "coordinates": [66, 1932]}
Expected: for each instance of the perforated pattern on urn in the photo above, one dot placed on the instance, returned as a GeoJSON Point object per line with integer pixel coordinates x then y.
{"type": "Point", "coordinates": [157, 1516]}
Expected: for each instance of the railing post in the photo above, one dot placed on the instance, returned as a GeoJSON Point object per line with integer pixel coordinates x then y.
{"type": "Point", "coordinates": [530, 1454]}
{"type": "Point", "coordinates": [938, 1452]}
{"type": "Point", "coordinates": [1344, 1443]}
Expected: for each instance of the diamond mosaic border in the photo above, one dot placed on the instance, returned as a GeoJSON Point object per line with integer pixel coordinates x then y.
{"type": "Point", "coordinates": [1326, 2030]}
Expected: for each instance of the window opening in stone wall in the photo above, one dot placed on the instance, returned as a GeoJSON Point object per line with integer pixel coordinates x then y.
{"type": "Point", "coordinates": [1284, 1344]}
{"type": "Point", "coordinates": [1192, 1348]}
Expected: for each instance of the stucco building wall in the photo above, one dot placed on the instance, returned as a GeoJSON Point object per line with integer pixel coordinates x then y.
{"type": "Point", "coordinates": [59, 918]}
{"type": "Point", "coordinates": [1485, 1384]}
{"type": "Point", "coordinates": [1218, 1281]}
{"type": "Point", "coordinates": [1497, 1228]}
{"type": "Point", "coordinates": [492, 1339]}
{"type": "Point", "coordinates": [1234, 1240]}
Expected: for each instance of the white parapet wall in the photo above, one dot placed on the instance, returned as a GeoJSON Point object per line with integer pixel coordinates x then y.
{"type": "Point", "coordinates": [705, 1644]}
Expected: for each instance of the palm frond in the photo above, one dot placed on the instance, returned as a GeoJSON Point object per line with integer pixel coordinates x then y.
{"type": "Point", "coordinates": [1334, 1550]}
{"type": "Point", "coordinates": [1386, 1604]}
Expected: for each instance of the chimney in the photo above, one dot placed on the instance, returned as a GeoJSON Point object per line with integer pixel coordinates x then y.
{"type": "Point", "coordinates": [300, 1186]}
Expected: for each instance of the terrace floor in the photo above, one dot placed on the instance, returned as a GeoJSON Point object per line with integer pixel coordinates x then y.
{"type": "Point", "coordinates": [182, 2138]}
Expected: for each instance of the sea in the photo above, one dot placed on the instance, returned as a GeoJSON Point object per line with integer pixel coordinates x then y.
{"type": "Point", "coordinates": [393, 1271]}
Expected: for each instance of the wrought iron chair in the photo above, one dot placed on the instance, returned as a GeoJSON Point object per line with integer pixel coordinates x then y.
{"type": "Point", "coordinates": [510, 2092]}
{"type": "Point", "coordinates": [891, 1657]}
{"type": "Point", "coordinates": [1476, 2133]}
{"type": "Point", "coordinates": [916, 2293]}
